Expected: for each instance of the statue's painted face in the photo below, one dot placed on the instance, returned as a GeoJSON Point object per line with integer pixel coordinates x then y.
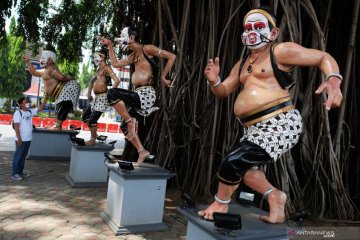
{"type": "Point", "coordinates": [256, 31]}
{"type": "Point", "coordinates": [45, 56]}
{"type": "Point", "coordinates": [124, 38]}
{"type": "Point", "coordinates": [97, 59]}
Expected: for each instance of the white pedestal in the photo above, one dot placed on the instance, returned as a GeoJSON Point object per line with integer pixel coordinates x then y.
{"type": "Point", "coordinates": [87, 167]}
{"type": "Point", "coordinates": [135, 200]}
{"type": "Point", "coordinates": [50, 145]}
{"type": "Point", "coordinates": [252, 226]}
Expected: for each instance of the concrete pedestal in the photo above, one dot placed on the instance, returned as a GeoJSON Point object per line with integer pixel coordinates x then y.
{"type": "Point", "coordinates": [252, 226]}
{"type": "Point", "coordinates": [50, 145]}
{"type": "Point", "coordinates": [87, 167]}
{"type": "Point", "coordinates": [135, 200]}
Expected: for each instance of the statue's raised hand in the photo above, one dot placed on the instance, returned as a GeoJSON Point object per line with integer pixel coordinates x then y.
{"type": "Point", "coordinates": [212, 70]}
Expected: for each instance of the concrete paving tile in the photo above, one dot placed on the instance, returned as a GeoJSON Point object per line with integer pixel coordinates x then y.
{"type": "Point", "coordinates": [7, 221]}
{"type": "Point", "coordinates": [33, 234]}
{"type": "Point", "coordinates": [108, 232]}
{"type": "Point", "coordinates": [46, 238]}
{"type": "Point", "coordinates": [77, 231]}
{"type": "Point", "coordinates": [45, 207]}
{"type": "Point", "coordinates": [7, 236]}
{"type": "Point", "coordinates": [98, 228]}
{"type": "Point", "coordinates": [94, 220]}
{"type": "Point", "coordinates": [88, 236]}
{"type": "Point", "coordinates": [15, 226]}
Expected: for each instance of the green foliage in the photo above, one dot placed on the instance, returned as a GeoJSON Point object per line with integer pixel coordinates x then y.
{"type": "Point", "coordinates": [73, 24]}
{"type": "Point", "coordinates": [5, 11]}
{"type": "Point", "coordinates": [7, 105]}
{"type": "Point", "coordinates": [67, 67]}
{"type": "Point", "coordinates": [12, 26]}
{"type": "Point", "coordinates": [86, 74]}
{"type": "Point", "coordinates": [78, 114]}
{"type": "Point", "coordinates": [12, 69]}
{"type": "Point", "coordinates": [30, 13]}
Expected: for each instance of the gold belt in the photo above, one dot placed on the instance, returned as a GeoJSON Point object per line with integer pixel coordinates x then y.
{"type": "Point", "coordinates": [56, 92]}
{"type": "Point", "coordinates": [267, 111]}
{"type": "Point", "coordinates": [136, 88]}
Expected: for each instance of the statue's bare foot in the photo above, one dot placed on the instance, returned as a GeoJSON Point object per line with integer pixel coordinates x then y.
{"type": "Point", "coordinates": [143, 154]}
{"type": "Point", "coordinates": [207, 214]}
{"type": "Point", "coordinates": [90, 142]}
{"type": "Point", "coordinates": [277, 200]}
{"type": "Point", "coordinates": [131, 124]}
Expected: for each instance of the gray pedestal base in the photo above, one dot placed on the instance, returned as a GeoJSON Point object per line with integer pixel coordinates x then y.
{"type": "Point", "coordinates": [252, 226]}
{"type": "Point", "coordinates": [135, 200]}
{"type": "Point", "coordinates": [120, 230]}
{"type": "Point", "coordinates": [50, 145]}
{"type": "Point", "coordinates": [87, 167]}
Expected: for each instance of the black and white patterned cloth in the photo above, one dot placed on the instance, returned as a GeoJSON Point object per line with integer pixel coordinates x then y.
{"type": "Point", "coordinates": [147, 97]}
{"type": "Point", "coordinates": [100, 102]}
{"type": "Point", "coordinates": [276, 135]}
{"type": "Point", "coordinates": [70, 92]}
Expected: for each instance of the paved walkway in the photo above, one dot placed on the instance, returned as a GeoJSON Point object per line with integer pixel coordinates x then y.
{"type": "Point", "coordinates": [44, 206]}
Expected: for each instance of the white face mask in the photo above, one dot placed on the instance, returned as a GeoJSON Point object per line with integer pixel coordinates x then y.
{"type": "Point", "coordinates": [43, 61]}
{"type": "Point", "coordinates": [256, 31]}
{"type": "Point", "coordinates": [97, 59]}
{"type": "Point", "coordinates": [27, 105]}
{"type": "Point", "coordinates": [124, 39]}
{"type": "Point", "coordinates": [45, 56]}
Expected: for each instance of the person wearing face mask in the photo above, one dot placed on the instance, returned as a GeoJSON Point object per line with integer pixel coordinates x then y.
{"type": "Point", "coordinates": [99, 84]}
{"type": "Point", "coordinates": [142, 99]}
{"type": "Point", "coordinates": [62, 89]}
{"type": "Point", "coordinates": [23, 126]}
{"type": "Point", "coordinates": [272, 125]}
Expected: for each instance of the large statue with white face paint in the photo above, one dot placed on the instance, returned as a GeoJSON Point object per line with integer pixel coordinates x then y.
{"type": "Point", "coordinates": [272, 124]}
{"type": "Point", "coordinates": [63, 90]}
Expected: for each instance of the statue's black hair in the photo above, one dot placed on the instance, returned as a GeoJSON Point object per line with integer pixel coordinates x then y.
{"type": "Point", "coordinates": [134, 31]}
{"type": "Point", "coordinates": [103, 51]}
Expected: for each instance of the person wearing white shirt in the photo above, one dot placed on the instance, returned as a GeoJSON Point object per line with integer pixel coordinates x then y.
{"type": "Point", "coordinates": [23, 126]}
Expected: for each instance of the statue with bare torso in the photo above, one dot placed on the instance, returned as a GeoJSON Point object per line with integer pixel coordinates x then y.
{"type": "Point", "coordinates": [99, 84]}
{"type": "Point", "coordinates": [62, 89]}
{"type": "Point", "coordinates": [272, 124]}
{"type": "Point", "coordinates": [143, 98]}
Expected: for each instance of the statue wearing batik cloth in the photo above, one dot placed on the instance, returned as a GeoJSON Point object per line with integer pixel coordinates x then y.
{"type": "Point", "coordinates": [143, 99]}
{"type": "Point", "coordinates": [99, 84]}
{"type": "Point", "coordinates": [62, 89]}
{"type": "Point", "coordinates": [272, 124]}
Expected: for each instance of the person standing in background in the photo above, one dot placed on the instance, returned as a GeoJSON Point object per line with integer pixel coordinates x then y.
{"type": "Point", "coordinates": [23, 126]}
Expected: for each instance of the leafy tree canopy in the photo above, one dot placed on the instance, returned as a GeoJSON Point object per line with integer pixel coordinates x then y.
{"type": "Point", "coordinates": [12, 74]}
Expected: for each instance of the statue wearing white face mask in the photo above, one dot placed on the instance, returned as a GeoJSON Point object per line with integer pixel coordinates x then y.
{"type": "Point", "coordinates": [99, 85]}
{"type": "Point", "coordinates": [62, 89]}
{"type": "Point", "coordinates": [272, 124]}
{"type": "Point", "coordinates": [124, 39]}
{"type": "Point", "coordinates": [47, 57]}
{"type": "Point", "coordinates": [96, 59]}
{"type": "Point", "coordinates": [145, 76]}
{"type": "Point", "coordinates": [256, 31]}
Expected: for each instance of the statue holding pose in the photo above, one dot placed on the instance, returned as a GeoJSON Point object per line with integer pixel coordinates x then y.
{"type": "Point", "coordinates": [99, 84]}
{"type": "Point", "coordinates": [272, 124]}
{"type": "Point", "coordinates": [142, 99]}
{"type": "Point", "coordinates": [62, 89]}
